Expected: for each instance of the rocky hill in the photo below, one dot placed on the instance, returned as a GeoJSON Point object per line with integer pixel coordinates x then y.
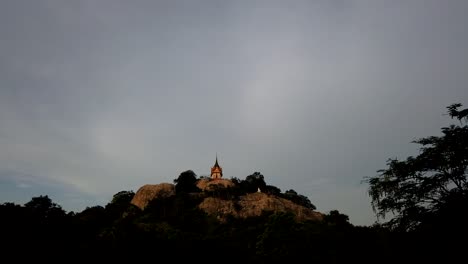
{"type": "Point", "coordinates": [248, 205]}
{"type": "Point", "coordinates": [148, 192]}
{"type": "Point", "coordinates": [253, 204]}
{"type": "Point", "coordinates": [210, 185]}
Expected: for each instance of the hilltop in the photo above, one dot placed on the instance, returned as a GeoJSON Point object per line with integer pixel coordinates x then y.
{"type": "Point", "coordinates": [223, 198]}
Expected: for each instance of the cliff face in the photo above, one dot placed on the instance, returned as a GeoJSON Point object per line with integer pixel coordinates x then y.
{"type": "Point", "coordinates": [253, 204]}
{"type": "Point", "coordinates": [209, 185]}
{"type": "Point", "coordinates": [249, 205]}
{"type": "Point", "coordinates": [148, 192]}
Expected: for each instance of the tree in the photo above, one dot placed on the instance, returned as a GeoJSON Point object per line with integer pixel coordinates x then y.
{"type": "Point", "coordinates": [431, 187]}
{"type": "Point", "coordinates": [253, 182]}
{"type": "Point", "coordinates": [122, 197]}
{"type": "Point", "coordinates": [235, 180]}
{"type": "Point", "coordinates": [43, 207]}
{"type": "Point", "coordinates": [120, 204]}
{"type": "Point", "coordinates": [270, 189]}
{"type": "Point", "coordinates": [299, 199]}
{"type": "Point", "coordinates": [186, 182]}
{"type": "Point", "coordinates": [335, 218]}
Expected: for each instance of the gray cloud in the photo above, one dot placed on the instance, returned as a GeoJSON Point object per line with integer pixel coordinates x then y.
{"type": "Point", "coordinates": [109, 95]}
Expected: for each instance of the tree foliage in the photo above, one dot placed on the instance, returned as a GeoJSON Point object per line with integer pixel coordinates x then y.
{"type": "Point", "coordinates": [43, 209]}
{"type": "Point", "coordinates": [298, 199]}
{"type": "Point", "coordinates": [417, 190]}
{"type": "Point", "coordinates": [254, 182]}
{"type": "Point", "coordinates": [120, 204]}
{"type": "Point", "coordinates": [336, 218]}
{"type": "Point", "coordinates": [186, 182]}
{"type": "Point", "coordinates": [122, 197]}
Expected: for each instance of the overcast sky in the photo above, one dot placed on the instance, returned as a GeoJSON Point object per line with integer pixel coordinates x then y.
{"type": "Point", "coordinates": [97, 97]}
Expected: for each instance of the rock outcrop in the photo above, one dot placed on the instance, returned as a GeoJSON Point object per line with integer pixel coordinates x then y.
{"type": "Point", "coordinates": [253, 204]}
{"type": "Point", "coordinates": [148, 192]}
{"type": "Point", "coordinates": [209, 185]}
{"type": "Point", "coordinates": [249, 205]}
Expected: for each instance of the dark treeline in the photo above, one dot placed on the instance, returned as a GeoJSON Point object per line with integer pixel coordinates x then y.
{"type": "Point", "coordinates": [173, 228]}
{"type": "Point", "coordinates": [426, 197]}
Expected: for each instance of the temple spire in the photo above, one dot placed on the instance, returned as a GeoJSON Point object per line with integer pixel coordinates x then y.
{"type": "Point", "coordinates": [216, 171]}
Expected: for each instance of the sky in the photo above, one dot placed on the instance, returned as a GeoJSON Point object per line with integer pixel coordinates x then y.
{"type": "Point", "coordinates": [97, 97]}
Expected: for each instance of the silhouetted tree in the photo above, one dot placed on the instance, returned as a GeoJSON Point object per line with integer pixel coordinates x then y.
{"type": "Point", "coordinates": [417, 190]}
{"type": "Point", "coordinates": [270, 189]}
{"type": "Point", "coordinates": [43, 207]}
{"type": "Point", "coordinates": [13, 219]}
{"type": "Point", "coordinates": [336, 218]}
{"type": "Point", "coordinates": [235, 180]}
{"type": "Point", "coordinates": [299, 199]}
{"type": "Point", "coordinates": [92, 216]}
{"type": "Point", "coordinates": [122, 197]}
{"type": "Point", "coordinates": [253, 182]}
{"type": "Point", "coordinates": [186, 182]}
{"type": "Point", "coordinates": [120, 204]}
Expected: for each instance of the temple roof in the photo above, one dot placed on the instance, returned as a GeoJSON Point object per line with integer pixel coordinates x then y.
{"type": "Point", "coordinates": [216, 171]}
{"type": "Point", "coordinates": [216, 163]}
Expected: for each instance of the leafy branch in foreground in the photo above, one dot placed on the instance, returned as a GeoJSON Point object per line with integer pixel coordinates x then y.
{"type": "Point", "coordinates": [419, 188]}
